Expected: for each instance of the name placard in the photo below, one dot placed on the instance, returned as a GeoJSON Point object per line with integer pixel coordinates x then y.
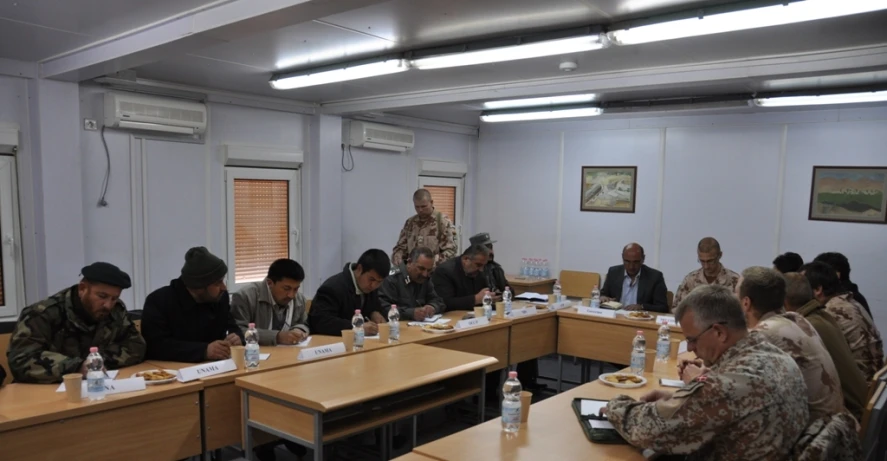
{"type": "Point", "coordinates": [119, 386]}
{"type": "Point", "coordinates": [311, 353]}
{"type": "Point", "coordinates": [560, 305]}
{"type": "Point", "coordinates": [205, 370]}
{"type": "Point", "coordinates": [472, 323]}
{"type": "Point", "coordinates": [666, 318]}
{"type": "Point", "coordinates": [523, 312]}
{"type": "Point", "coordinates": [596, 312]}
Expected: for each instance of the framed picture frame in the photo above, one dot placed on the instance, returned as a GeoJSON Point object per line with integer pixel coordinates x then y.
{"type": "Point", "coordinates": [609, 189]}
{"type": "Point", "coordinates": [856, 194]}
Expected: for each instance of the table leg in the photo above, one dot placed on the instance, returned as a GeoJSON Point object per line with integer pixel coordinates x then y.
{"type": "Point", "coordinates": [415, 431]}
{"type": "Point", "coordinates": [318, 436]}
{"type": "Point", "coordinates": [247, 433]}
{"type": "Point", "coordinates": [560, 372]}
{"type": "Point", "coordinates": [384, 442]}
{"type": "Point", "coordinates": [482, 397]}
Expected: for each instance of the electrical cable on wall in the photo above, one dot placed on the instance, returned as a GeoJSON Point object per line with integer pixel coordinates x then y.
{"type": "Point", "coordinates": [349, 155]}
{"type": "Point", "coordinates": [107, 180]}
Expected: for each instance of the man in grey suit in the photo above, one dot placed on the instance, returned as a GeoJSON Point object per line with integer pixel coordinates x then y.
{"type": "Point", "coordinates": [635, 285]}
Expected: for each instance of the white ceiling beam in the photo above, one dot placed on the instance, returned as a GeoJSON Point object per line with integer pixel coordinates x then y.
{"type": "Point", "coordinates": [15, 68]}
{"type": "Point", "coordinates": [215, 23]}
{"type": "Point", "coordinates": [774, 67]}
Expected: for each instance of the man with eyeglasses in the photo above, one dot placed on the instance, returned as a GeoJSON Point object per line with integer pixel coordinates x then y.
{"type": "Point", "coordinates": [275, 305]}
{"type": "Point", "coordinates": [634, 284]}
{"type": "Point", "coordinates": [712, 272]}
{"type": "Point", "coordinates": [748, 402]}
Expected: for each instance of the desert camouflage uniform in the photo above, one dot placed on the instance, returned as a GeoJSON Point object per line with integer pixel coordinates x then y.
{"type": "Point", "coordinates": [53, 337]}
{"type": "Point", "coordinates": [436, 232]}
{"type": "Point", "coordinates": [832, 438]}
{"type": "Point", "coordinates": [792, 333]}
{"type": "Point", "coordinates": [725, 278]}
{"type": "Point", "coordinates": [751, 405]}
{"type": "Point", "coordinates": [862, 335]}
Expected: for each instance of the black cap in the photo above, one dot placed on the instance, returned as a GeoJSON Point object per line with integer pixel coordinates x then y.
{"type": "Point", "coordinates": [107, 273]}
{"type": "Point", "coordinates": [481, 239]}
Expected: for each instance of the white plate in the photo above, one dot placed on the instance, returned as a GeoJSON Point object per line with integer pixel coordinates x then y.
{"type": "Point", "coordinates": [622, 386]}
{"type": "Point", "coordinates": [437, 332]}
{"type": "Point", "coordinates": [646, 319]}
{"type": "Point", "coordinates": [162, 381]}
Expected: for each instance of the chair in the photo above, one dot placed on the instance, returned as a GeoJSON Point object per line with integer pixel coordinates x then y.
{"type": "Point", "coordinates": [873, 425]}
{"type": "Point", "coordinates": [670, 296]}
{"type": "Point", "coordinates": [307, 306]}
{"type": "Point", "coordinates": [870, 406]}
{"type": "Point", "coordinates": [880, 375]}
{"type": "Point", "coordinates": [4, 346]}
{"type": "Point", "coordinates": [578, 284]}
{"type": "Point", "coordinates": [830, 438]}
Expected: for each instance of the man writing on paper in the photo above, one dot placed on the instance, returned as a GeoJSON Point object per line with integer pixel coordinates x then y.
{"type": "Point", "coordinates": [750, 404]}
{"type": "Point", "coordinates": [190, 319]}
{"type": "Point", "coordinates": [409, 287]}
{"type": "Point", "coordinates": [356, 287]}
{"type": "Point", "coordinates": [712, 272]}
{"type": "Point", "coordinates": [52, 337]}
{"type": "Point", "coordinates": [635, 285]}
{"type": "Point", "coordinates": [492, 270]}
{"type": "Point", "coordinates": [274, 305]}
{"type": "Point", "coordinates": [428, 228]}
{"type": "Point", "coordinates": [461, 281]}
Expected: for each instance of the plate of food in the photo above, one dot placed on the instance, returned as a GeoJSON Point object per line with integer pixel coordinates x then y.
{"type": "Point", "coordinates": [541, 307]}
{"type": "Point", "coordinates": [639, 315]}
{"type": "Point", "coordinates": [438, 328]}
{"type": "Point", "coordinates": [623, 380]}
{"type": "Point", "coordinates": [157, 376]}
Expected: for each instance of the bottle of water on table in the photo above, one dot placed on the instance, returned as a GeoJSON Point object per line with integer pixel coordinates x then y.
{"type": "Point", "coordinates": [511, 406]}
{"type": "Point", "coordinates": [638, 355]}
{"type": "Point", "coordinates": [95, 375]}
{"type": "Point", "coordinates": [251, 351]}
{"type": "Point", "coordinates": [506, 300]}
{"type": "Point", "coordinates": [558, 297]}
{"type": "Point", "coordinates": [595, 297]}
{"type": "Point", "coordinates": [357, 325]}
{"type": "Point", "coordinates": [393, 324]}
{"type": "Point", "coordinates": [488, 306]}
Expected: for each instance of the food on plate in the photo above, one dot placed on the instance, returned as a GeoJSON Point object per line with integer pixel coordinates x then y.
{"type": "Point", "coordinates": [156, 375]}
{"type": "Point", "coordinates": [541, 307]}
{"type": "Point", "coordinates": [639, 315]}
{"type": "Point", "coordinates": [439, 326]}
{"type": "Point", "coordinates": [620, 378]}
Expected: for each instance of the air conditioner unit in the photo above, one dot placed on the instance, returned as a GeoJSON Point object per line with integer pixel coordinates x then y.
{"type": "Point", "coordinates": [150, 113]}
{"type": "Point", "coordinates": [379, 136]}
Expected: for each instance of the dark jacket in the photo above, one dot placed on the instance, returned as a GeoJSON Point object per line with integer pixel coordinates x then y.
{"type": "Point", "coordinates": [335, 302]}
{"type": "Point", "coordinates": [407, 295]}
{"type": "Point", "coordinates": [851, 287]}
{"type": "Point", "coordinates": [495, 276]}
{"type": "Point", "coordinates": [651, 288]}
{"type": "Point", "coordinates": [456, 288]}
{"type": "Point", "coordinates": [179, 329]}
{"type": "Point", "coordinates": [2, 375]}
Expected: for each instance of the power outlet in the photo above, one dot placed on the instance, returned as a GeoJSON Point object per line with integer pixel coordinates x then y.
{"type": "Point", "coordinates": [90, 124]}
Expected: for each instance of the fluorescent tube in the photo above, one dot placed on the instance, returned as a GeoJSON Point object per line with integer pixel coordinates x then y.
{"type": "Point", "coordinates": [533, 102]}
{"type": "Point", "coordinates": [542, 115]}
{"type": "Point", "coordinates": [373, 69]}
{"type": "Point", "coordinates": [802, 11]}
{"type": "Point", "coordinates": [846, 98]}
{"type": "Point", "coordinates": [511, 53]}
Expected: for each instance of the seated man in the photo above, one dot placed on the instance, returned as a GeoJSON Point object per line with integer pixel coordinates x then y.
{"type": "Point", "coordinates": [190, 319]}
{"type": "Point", "coordinates": [461, 281]}
{"type": "Point", "coordinates": [409, 287]}
{"type": "Point", "coordinates": [274, 305]}
{"type": "Point", "coordinates": [842, 266]}
{"type": "Point", "coordinates": [635, 285]}
{"type": "Point", "coordinates": [492, 271]}
{"type": "Point", "coordinates": [799, 298]}
{"type": "Point", "coordinates": [52, 337]}
{"type": "Point", "coordinates": [356, 287]}
{"type": "Point", "coordinates": [749, 403]}
{"type": "Point", "coordinates": [761, 293]}
{"type": "Point", "coordinates": [712, 272]}
{"type": "Point", "coordinates": [855, 323]}
{"type": "Point", "coordinates": [788, 262]}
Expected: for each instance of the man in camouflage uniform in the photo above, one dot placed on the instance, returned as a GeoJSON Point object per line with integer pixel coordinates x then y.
{"type": "Point", "coordinates": [750, 404]}
{"type": "Point", "coordinates": [52, 338]}
{"type": "Point", "coordinates": [493, 270]}
{"type": "Point", "coordinates": [761, 292]}
{"type": "Point", "coordinates": [409, 287]}
{"type": "Point", "coordinates": [428, 228]}
{"type": "Point", "coordinates": [708, 253]}
{"type": "Point", "coordinates": [859, 329]}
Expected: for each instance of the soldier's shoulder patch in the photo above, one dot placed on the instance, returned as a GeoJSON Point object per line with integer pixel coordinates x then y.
{"type": "Point", "coordinates": [394, 270]}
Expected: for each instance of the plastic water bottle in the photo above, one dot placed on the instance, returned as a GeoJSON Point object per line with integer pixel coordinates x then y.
{"type": "Point", "coordinates": [558, 297]}
{"type": "Point", "coordinates": [546, 269]}
{"type": "Point", "coordinates": [595, 297]}
{"type": "Point", "coordinates": [524, 267]}
{"type": "Point", "coordinates": [511, 403]}
{"type": "Point", "coordinates": [95, 375]}
{"type": "Point", "coordinates": [537, 268]}
{"type": "Point", "coordinates": [357, 325]}
{"type": "Point", "coordinates": [393, 324]}
{"type": "Point", "coordinates": [488, 306]}
{"type": "Point", "coordinates": [251, 351]}
{"type": "Point", "coordinates": [663, 344]}
{"type": "Point", "coordinates": [506, 300]}
{"type": "Point", "coordinates": [638, 355]}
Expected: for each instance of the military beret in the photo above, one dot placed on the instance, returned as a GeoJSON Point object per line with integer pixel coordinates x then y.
{"type": "Point", "coordinates": [106, 273]}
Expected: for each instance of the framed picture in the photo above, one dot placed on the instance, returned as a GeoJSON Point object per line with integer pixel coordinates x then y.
{"type": "Point", "coordinates": [608, 188]}
{"type": "Point", "coordinates": [849, 194]}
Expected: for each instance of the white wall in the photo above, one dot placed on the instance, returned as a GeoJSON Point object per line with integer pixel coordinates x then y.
{"type": "Point", "coordinates": [697, 176]}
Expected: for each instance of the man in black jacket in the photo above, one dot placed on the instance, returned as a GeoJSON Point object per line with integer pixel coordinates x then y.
{"type": "Point", "coordinates": [461, 281]}
{"type": "Point", "coordinates": [190, 319]}
{"type": "Point", "coordinates": [842, 266]}
{"type": "Point", "coordinates": [356, 287]}
{"type": "Point", "coordinates": [409, 287]}
{"type": "Point", "coordinates": [635, 285]}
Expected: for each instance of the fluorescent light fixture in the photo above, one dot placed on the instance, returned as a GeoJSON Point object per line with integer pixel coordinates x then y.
{"type": "Point", "coordinates": [533, 102]}
{"type": "Point", "coordinates": [845, 98]}
{"type": "Point", "coordinates": [288, 82]}
{"type": "Point", "coordinates": [547, 114]}
{"type": "Point", "coordinates": [776, 15]}
{"type": "Point", "coordinates": [512, 53]}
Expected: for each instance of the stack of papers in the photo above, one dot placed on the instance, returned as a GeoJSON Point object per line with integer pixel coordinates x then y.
{"type": "Point", "coordinates": [437, 320]}
{"type": "Point", "coordinates": [530, 296]}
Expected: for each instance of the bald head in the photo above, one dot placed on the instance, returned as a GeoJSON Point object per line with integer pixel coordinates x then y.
{"type": "Point", "coordinates": [423, 204]}
{"type": "Point", "coordinates": [633, 259]}
{"type": "Point", "coordinates": [708, 245]}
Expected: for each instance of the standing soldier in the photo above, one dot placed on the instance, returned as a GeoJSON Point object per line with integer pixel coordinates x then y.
{"type": "Point", "coordinates": [427, 228]}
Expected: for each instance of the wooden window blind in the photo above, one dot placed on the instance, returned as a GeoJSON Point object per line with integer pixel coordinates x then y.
{"type": "Point", "coordinates": [2, 280]}
{"type": "Point", "coordinates": [261, 226]}
{"type": "Point", "coordinates": [444, 200]}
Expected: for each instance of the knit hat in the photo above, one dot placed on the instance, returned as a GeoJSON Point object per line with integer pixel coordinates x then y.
{"type": "Point", "coordinates": [202, 268]}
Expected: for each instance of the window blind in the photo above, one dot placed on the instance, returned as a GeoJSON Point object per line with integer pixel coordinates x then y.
{"type": "Point", "coordinates": [444, 200]}
{"type": "Point", "coordinates": [261, 226]}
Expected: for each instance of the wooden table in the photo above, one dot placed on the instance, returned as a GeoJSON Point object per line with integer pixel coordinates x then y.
{"type": "Point", "coordinates": [301, 403]}
{"type": "Point", "coordinates": [159, 423]}
{"type": "Point", "coordinates": [490, 340]}
{"type": "Point", "coordinates": [522, 284]}
{"type": "Point", "coordinates": [532, 337]}
{"type": "Point", "coordinates": [413, 456]}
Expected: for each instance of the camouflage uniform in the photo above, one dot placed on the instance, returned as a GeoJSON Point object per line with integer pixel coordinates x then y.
{"type": "Point", "coordinates": [53, 337]}
{"type": "Point", "coordinates": [436, 232]}
{"type": "Point", "coordinates": [792, 333]}
{"type": "Point", "coordinates": [862, 335]}
{"type": "Point", "coordinates": [832, 438]}
{"type": "Point", "coordinates": [726, 278]}
{"type": "Point", "coordinates": [747, 407]}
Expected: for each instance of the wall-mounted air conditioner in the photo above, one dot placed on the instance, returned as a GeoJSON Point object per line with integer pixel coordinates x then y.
{"type": "Point", "coordinates": [379, 136]}
{"type": "Point", "coordinates": [8, 138]}
{"type": "Point", "coordinates": [151, 113]}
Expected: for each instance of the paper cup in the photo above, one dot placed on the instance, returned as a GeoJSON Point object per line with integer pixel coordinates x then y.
{"type": "Point", "coordinates": [348, 339]}
{"type": "Point", "coordinates": [73, 387]}
{"type": "Point", "coordinates": [500, 310]}
{"type": "Point", "coordinates": [238, 355]}
{"type": "Point", "coordinates": [650, 360]}
{"type": "Point", "coordinates": [586, 302]}
{"type": "Point", "coordinates": [673, 353]}
{"type": "Point", "coordinates": [552, 299]}
{"type": "Point", "coordinates": [526, 398]}
{"type": "Point", "coordinates": [384, 333]}
{"type": "Point", "coordinates": [479, 312]}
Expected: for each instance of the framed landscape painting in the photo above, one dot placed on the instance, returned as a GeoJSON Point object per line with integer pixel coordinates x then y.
{"type": "Point", "coordinates": [849, 194]}
{"type": "Point", "coordinates": [608, 188]}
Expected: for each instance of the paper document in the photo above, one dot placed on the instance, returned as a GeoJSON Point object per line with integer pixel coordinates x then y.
{"type": "Point", "coordinates": [682, 347]}
{"type": "Point", "coordinates": [595, 424]}
{"type": "Point", "coordinates": [438, 321]}
{"type": "Point", "coordinates": [591, 407]}
{"type": "Point", "coordinates": [264, 356]}
{"type": "Point", "coordinates": [375, 336]}
{"type": "Point", "coordinates": [529, 295]}
{"type": "Point", "coordinates": [304, 343]}
{"type": "Point", "coordinates": [671, 383]}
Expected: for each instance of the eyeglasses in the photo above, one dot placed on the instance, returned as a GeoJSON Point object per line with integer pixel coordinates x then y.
{"type": "Point", "coordinates": [694, 339]}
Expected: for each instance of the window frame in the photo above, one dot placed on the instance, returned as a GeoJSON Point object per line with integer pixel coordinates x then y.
{"type": "Point", "coordinates": [459, 184]}
{"type": "Point", "coordinates": [10, 238]}
{"type": "Point", "coordinates": [293, 176]}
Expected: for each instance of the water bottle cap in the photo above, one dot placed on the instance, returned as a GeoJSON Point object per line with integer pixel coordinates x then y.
{"type": "Point", "coordinates": [394, 306]}
{"type": "Point", "coordinates": [512, 374]}
{"type": "Point", "coordinates": [252, 325]}
{"type": "Point", "coordinates": [93, 350]}
{"type": "Point", "coordinates": [357, 311]}
{"type": "Point", "coordinates": [640, 332]}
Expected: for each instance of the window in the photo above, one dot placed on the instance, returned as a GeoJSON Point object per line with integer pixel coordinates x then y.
{"type": "Point", "coordinates": [447, 196]}
{"type": "Point", "coordinates": [11, 283]}
{"type": "Point", "coordinates": [263, 221]}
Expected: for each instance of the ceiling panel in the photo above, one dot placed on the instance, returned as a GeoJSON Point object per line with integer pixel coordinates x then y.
{"type": "Point", "coordinates": [623, 9]}
{"type": "Point", "coordinates": [25, 42]}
